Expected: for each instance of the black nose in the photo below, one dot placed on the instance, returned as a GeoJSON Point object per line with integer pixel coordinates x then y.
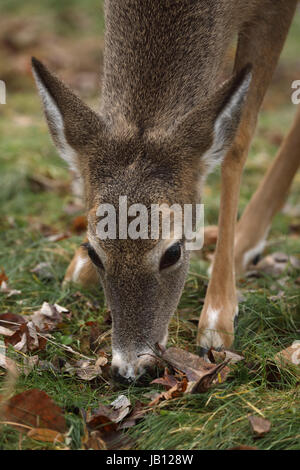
{"type": "Point", "coordinates": [117, 377]}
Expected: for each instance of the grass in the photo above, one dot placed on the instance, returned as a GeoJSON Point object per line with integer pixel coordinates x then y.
{"type": "Point", "coordinates": [214, 420]}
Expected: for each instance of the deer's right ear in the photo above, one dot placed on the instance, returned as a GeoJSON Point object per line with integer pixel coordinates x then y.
{"type": "Point", "coordinates": [71, 122]}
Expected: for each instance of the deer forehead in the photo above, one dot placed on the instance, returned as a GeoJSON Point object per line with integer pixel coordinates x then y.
{"type": "Point", "coordinates": [136, 254]}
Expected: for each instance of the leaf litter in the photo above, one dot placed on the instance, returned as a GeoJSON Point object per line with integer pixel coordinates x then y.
{"type": "Point", "coordinates": [184, 373]}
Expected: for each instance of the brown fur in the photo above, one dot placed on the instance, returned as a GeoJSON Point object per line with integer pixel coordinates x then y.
{"type": "Point", "coordinates": [162, 94]}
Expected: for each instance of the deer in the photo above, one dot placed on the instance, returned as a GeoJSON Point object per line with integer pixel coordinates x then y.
{"type": "Point", "coordinates": [167, 117]}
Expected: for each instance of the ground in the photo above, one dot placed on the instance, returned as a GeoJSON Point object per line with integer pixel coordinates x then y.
{"type": "Point", "coordinates": [217, 419]}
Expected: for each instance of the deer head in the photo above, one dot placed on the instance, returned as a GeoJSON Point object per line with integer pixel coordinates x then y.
{"type": "Point", "coordinates": [163, 163]}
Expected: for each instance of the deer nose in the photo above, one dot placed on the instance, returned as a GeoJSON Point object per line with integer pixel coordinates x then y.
{"type": "Point", "coordinates": [120, 379]}
{"type": "Point", "coordinates": [125, 372]}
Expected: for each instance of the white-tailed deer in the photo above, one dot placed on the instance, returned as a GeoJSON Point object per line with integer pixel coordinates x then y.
{"type": "Point", "coordinates": [165, 120]}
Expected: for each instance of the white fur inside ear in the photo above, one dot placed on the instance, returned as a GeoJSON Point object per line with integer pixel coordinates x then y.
{"type": "Point", "coordinates": [56, 124]}
{"type": "Point", "coordinates": [223, 134]}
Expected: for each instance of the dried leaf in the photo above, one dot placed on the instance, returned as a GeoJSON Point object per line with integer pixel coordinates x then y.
{"type": "Point", "coordinates": [36, 409]}
{"type": "Point", "coordinates": [95, 442]}
{"type": "Point", "coordinates": [47, 317]}
{"type": "Point", "coordinates": [101, 361]}
{"type": "Point", "coordinates": [122, 406]}
{"type": "Point", "coordinates": [85, 370]}
{"type": "Point", "coordinates": [290, 354]}
{"type": "Point", "coordinates": [216, 375]}
{"type": "Point", "coordinates": [136, 414]}
{"type": "Point", "coordinates": [30, 362]}
{"type": "Point", "coordinates": [120, 402]}
{"type": "Point", "coordinates": [6, 332]}
{"type": "Point", "coordinates": [109, 416]}
{"type": "Point", "coordinates": [220, 356]}
{"type": "Point", "coordinates": [260, 426]}
{"type": "Point", "coordinates": [43, 271]}
{"type": "Point", "coordinates": [200, 374]}
{"type": "Point", "coordinates": [108, 441]}
{"type": "Point", "coordinates": [103, 417]}
{"type": "Point", "coordinates": [190, 364]}
{"type": "Point", "coordinates": [25, 337]}
{"type": "Point", "coordinates": [4, 289]}
{"type": "Point", "coordinates": [168, 381]}
{"type": "Point", "coordinates": [104, 430]}
{"type": "Point", "coordinates": [46, 435]}
{"type": "Point", "coordinates": [173, 392]}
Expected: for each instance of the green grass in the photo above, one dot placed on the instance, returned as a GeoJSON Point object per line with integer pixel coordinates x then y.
{"type": "Point", "coordinates": [214, 420]}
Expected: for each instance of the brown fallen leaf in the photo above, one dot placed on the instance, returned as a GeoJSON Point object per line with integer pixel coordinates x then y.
{"type": "Point", "coordinates": [8, 364]}
{"type": "Point", "coordinates": [122, 405]}
{"type": "Point", "coordinates": [95, 441]}
{"type": "Point", "coordinates": [48, 317]}
{"type": "Point", "coordinates": [25, 337]}
{"type": "Point", "coordinates": [30, 362]}
{"type": "Point", "coordinates": [5, 289]}
{"type": "Point", "coordinates": [260, 426]}
{"type": "Point", "coordinates": [104, 430]}
{"type": "Point", "coordinates": [190, 364]}
{"type": "Point", "coordinates": [290, 354]}
{"type": "Point", "coordinates": [43, 271]}
{"type": "Point", "coordinates": [46, 435]}
{"type": "Point", "coordinates": [36, 409]}
{"type": "Point", "coordinates": [167, 381]}
{"type": "Point", "coordinates": [137, 413]}
{"type": "Point", "coordinates": [108, 417]}
{"type": "Point", "coordinates": [86, 370]}
{"type": "Point", "coordinates": [200, 374]}
{"type": "Point", "coordinates": [6, 331]}
{"type": "Point", "coordinates": [98, 440]}
{"type": "Point", "coordinates": [220, 356]}
{"type": "Point", "coordinates": [215, 376]}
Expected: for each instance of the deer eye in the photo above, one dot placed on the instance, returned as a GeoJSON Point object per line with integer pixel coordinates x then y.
{"type": "Point", "coordinates": [93, 255]}
{"type": "Point", "coordinates": [171, 256]}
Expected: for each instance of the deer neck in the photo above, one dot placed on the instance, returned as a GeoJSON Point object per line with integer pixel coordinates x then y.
{"type": "Point", "coordinates": [161, 58]}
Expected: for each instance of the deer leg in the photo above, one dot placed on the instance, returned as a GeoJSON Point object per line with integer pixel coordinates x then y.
{"type": "Point", "coordinates": [81, 270]}
{"type": "Point", "coordinates": [262, 37]}
{"type": "Point", "coordinates": [254, 224]}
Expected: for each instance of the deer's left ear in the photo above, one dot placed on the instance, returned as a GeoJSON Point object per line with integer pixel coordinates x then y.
{"type": "Point", "coordinates": [230, 100]}
{"type": "Point", "coordinates": [71, 122]}
{"type": "Point", "coordinates": [216, 121]}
